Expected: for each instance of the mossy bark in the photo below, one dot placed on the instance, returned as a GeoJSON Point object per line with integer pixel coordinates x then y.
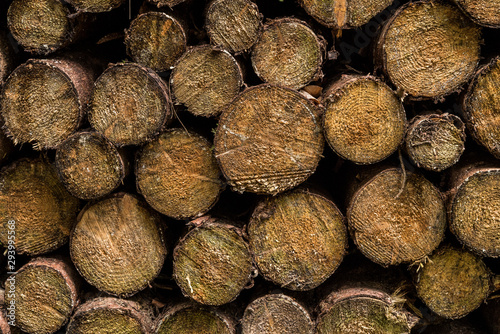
{"type": "Point", "coordinates": [7, 61]}
{"type": "Point", "coordinates": [234, 25]}
{"type": "Point", "coordinates": [129, 104]}
{"type": "Point", "coordinates": [428, 49]}
{"type": "Point", "coordinates": [268, 140]}
{"type": "Point", "coordinates": [117, 245]}
{"type": "Point", "coordinates": [95, 6]}
{"type": "Point", "coordinates": [155, 40]}
{"type": "Point", "coordinates": [89, 165]}
{"type": "Point", "coordinates": [205, 80]}
{"type": "Point", "coordinates": [483, 12]}
{"type": "Point", "coordinates": [364, 119]}
{"type": "Point", "coordinates": [178, 175]}
{"type": "Point", "coordinates": [41, 209]}
{"type": "Point", "coordinates": [45, 294]}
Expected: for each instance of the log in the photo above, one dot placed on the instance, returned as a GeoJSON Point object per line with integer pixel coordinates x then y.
{"type": "Point", "coordinates": [276, 313]}
{"type": "Point", "coordinates": [297, 239]}
{"type": "Point", "coordinates": [364, 120]}
{"type": "Point", "coordinates": [95, 6]}
{"type": "Point", "coordinates": [117, 245]}
{"type": "Point", "coordinates": [435, 141]}
{"type": "Point", "coordinates": [45, 293]}
{"type": "Point", "coordinates": [396, 218]}
{"type": "Point", "coordinates": [205, 80]}
{"type": "Point", "coordinates": [485, 13]}
{"type": "Point", "coordinates": [7, 55]}
{"type": "Point", "coordinates": [155, 40]}
{"type": "Point", "coordinates": [129, 104]}
{"type": "Point", "coordinates": [268, 140]}
{"type": "Point", "coordinates": [481, 106]}
{"type": "Point", "coordinates": [212, 263]}
{"type": "Point", "coordinates": [40, 210]}
{"type": "Point", "coordinates": [428, 49]}
{"type": "Point", "coordinates": [288, 53]}
{"type": "Point", "coordinates": [453, 282]}
{"type": "Point", "coordinates": [163, 3]}
{"type": "Point", "coordinates": [178, 175]}
{"type": "Point", "coordinates": [235, 25]}
{"type": "Point", "coordinates": [44, 100]}
{"type": "Point", "coordinates": [89, 165]}
{"type": "Point", "coordinates": [110, 315]}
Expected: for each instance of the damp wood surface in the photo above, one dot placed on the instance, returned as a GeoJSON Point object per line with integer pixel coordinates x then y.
{"type": "Point", "coordinates": [95, 6]}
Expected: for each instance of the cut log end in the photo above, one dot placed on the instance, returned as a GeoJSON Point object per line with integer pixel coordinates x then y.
{"type": "Point", "coordinates": [364, 119]}
{"type": "Point", "coordinates": [483, 12]}
{"type": "Point", "coordinates": [95, 6]}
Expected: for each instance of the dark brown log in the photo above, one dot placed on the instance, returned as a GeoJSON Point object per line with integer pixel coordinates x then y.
{"type": "Point", "coordinates": [483, 12]}
{"type": "Point", "coordinates": [44, 100]}
{"type": "Point", "coordinates": [129, 104]}
{"type": "Point", "coordinates": [205, 80]}
{"type": "Point", "coordinates": [110, 315]}
{"type": "Point", "coordinates": [297, 239]}
{"type": "Point", "coordinates": [178, 175]}
{"type": "Point", "coordinates": [276, 313]}
{"type": "Point", "coordinates": [95, 6]}
{"type": "Point", "coordinates": [268, 140]}
{"type": "Point", "coordinates": [40, 210]}
{"type": "Point", "coordinates": [155, 40]}
{"type": "Point", "coordinates": [45, 293]}
{"type": "Point", "coordinates": [233, 24]}
{"type": "Point", "coordinates": [117, 245]}
{"type": "Point", "coordinates": [6, 57]}
{"type": "Point", "coordinates": [288, 53]}
{"type": "Point", "coordinates": [364, 119]}
{"type": "Point", "coordinates": [212, 263]}
{"type": "Point", "coordinates": [397, 217]}
{"type": "Point", "coordinates": [435, 141]}
{"type": "Point", "coordinates": [428, 49]}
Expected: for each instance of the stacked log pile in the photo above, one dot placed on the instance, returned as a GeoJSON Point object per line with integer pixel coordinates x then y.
{"type": "Point", "coordinates": [249, 166]}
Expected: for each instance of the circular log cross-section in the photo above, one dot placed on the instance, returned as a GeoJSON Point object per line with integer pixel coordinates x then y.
{"type": "Point", "coordinates": [364, 120]}
{"type": "Point", "coordinates": [429, 49]}
{"type": "Point", "coordinates": [212, 263]}
{"type": "Point", "coordinates": [483, 12]}
{"type": "Point", "coordinates": [297, 239]}
{"type": "Point", "coordinates": [481, 107]}
{"type": "Point", "coordinates": [178, 175]}
{"type": "Point", "coordinates": [43, 101]}
{"type": "Point", "coordinates": [110, 315]}
{"type": "Point", "coordinates": [89, 165]}
{"type": "Point", "coordinates": [453, 283]}
{"type": "Point", "coordinates": [189, 319]}
{"type": "Point", "coordinates": [155, 40]}
{"type": "Point", "coordinates": [35, 204]}
{"type": "Point", "coordinates": [6, 58]}
{"type": "Point", "coordinates": [129, 104]}
{"type": "Point", "coordinates": [435, 142]}
{"type": "Point", "coordinates": [268, 140]}
{"type": "Point", "coordinates": [276, 313]}
{"type": "Point", "coordinates": [45, 294]}
{"type": "Point", "coordinates": [233, 24]}
{"type": "Point", "coordinates": [117, 245]}
{"type": "Point", "coordinates": [205, 80]}
{"type": "Point", "coordinates": [344, 14]}
{"type": "Point", "coordinates": [288, 53]}
{"type": "Point", "coordinates": [395, 219]}
{"type": "Point", "coordinates": [95, 6]}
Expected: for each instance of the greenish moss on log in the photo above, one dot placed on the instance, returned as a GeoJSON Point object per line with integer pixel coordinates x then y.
{"type": "Point", "coordinates": [483, 12]}
{"type": "Point", "coordinates": [95, 6]}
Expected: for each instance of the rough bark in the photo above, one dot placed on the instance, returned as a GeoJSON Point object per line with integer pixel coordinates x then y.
{"type": "Point", "coordinates": [95, 6]}
{"type": "Point", "coordinates": [6, 57]}
{"type": "Point", "coordinates": [483, 12]}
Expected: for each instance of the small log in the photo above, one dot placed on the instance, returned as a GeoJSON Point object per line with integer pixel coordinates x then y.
{"type": "Point", "coordinates": [453, 282]}
{"type": "Point", "coordinates": [206, 80]}
{"type": "Point", "coordinates": [396, 218]}
{"type": "Point", "coordinates": [297, 239]}
{"type": "Point", "coordinates": [89, 165]}
{"type": "Point", "coordinates": [212, 263]}
{"type": "Point", "coordinates": [129, 104]}
{"type": "Point", "coordinates": [45, 293]}
{"type": "Point", "coordinates": [233, 24]}
{"type": "Point", "coordinates": [163, 3]}
{"type": "Point", "coordinates": [288, 53]}
{"type": "Point", "coordinates": [155, 40]}
{"type": "Point", "coordinates": [6, 57]}
{"type": "Point", "coordinates": [268, 140]}
{"type": "Point", "coordinates": [428, 49]}
{"type": "Point", "coordinates": [435, 142]}
{"type": "Point", "coordinates": [178, 175]}
{"type": "Point", "coordinates": [95, 6]}
{"type": "Point", "coordinates": [276, 313]}
{"type": "Point", "coordinates": [364, 120]}
{"type": "Point", "coordinates": [483, 12]}
{"type": "Point", "coordinates": [44, 100]}
{"type": "Point", "coordinates": [117, 245]}
{"type": "Point", "coordinates": [35, 204]}
{"type": "Point", "coordinates": [110, 315]}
